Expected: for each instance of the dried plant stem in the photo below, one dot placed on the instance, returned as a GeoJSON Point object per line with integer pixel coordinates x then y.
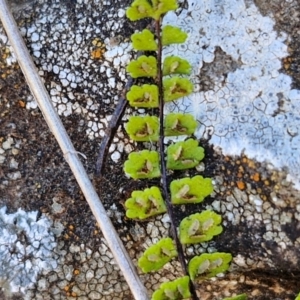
{"type": "Point", "coordinates": [111, 129]}
{"type": "Point", "coordinates": [163, 167]}
{"type": "Point", "coordinates": [42, 97]}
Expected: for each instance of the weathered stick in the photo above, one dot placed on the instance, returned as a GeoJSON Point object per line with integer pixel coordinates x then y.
{"type": "Point", "coordinates": [42, 97]}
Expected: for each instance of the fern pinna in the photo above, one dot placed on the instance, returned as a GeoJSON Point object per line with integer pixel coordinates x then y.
{"type": "Point", "coordinates": [168, 82]}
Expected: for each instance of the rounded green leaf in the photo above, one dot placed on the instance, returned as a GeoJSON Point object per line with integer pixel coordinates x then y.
{"type": "Point", "coordinates": [145, 204]}
{"type": "Point", "coordinates": [176, 87]}
{"type": "Point", "coordinates": [157, 255]}
{"type": "Point", "coordinates": [161, 7]}
{"type": "Point", "coordinates": [184, 155]}
{"type": "Point", "coordinates": [144, 66]}
{"type": "Point", "coordinates": [190, 190]}
{"type": "Point", "coordinates": [142, 164]}
{"type": "Point", "coordinates": [174, 290]}
{"type": "Point", "coordinates": [200, 227]}
{"type": "Point", "coordinates": [144, 41]}
{"type": "Point", "coordinates": [143, 96]}
{"type": "Point", "coordinates": [176, 65]}
{"type": "Point", "coordinates": [139, 9]}
{"type": "Point", "coordinates": [208, 265]}
{"type": "Point", "coordinates": [173, 35]}
{"type": "Point", "coordinates": [179, 124]}
{"type": "Point", "coordinates": [143, 128]}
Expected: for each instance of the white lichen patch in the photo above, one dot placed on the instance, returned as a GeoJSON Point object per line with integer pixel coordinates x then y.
{"type": "Point", "coordinates": [269, 227]}
{"type": "Point", "coordinates": [87, 65]}
{"type": "Point", "coordinates": [82, 273]}
{"type": "Point", "coordinates": [26, 249]}
{"type": "Point", "coordinates": [251, 108]}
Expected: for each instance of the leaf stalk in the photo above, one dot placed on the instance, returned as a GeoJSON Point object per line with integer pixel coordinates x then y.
{"type": "Point", "coordinates": [163, 167]}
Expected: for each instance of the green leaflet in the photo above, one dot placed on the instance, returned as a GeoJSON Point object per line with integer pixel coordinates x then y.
{"type": "Point", "coordinates": [208, 265]}
{"type": "Point", "coordinates": [297, 298]}
{"type": "Point", "coordinates": [144, 41]}
{"type": "Point", "coordinates": [161, 7]}
{"type": "Point", "coordinates": [176, 87]}
{"type": "Point", "coordinates": [141, 9]}
{"type": "Point", "coordinates": [200, 227]}
{"type": "Point", "coordinates": [157, 255]}
{"type": "Point", "coordinates": [174, 290]}
{"type": "Point", "coordinates": [142, 164]}
{"type": "Point", "coordinates": [179, 124]}
{"type": "Point", "coordinates": [184, 155]}
{"type": "Point", "coordinates": [143, 129]}
{"type": "Point", "coordinates": [190, 190]}
{"type": "Point", "coordinates": [144, 66]}
{"type": "Point", "coordinates": [176, 65]}
{"type": "Point", "coordinates": [143, 96]}
{"type": "Point", "coordinates": [145, 204]}
{"type": "Point", "coordinates": [173, 35]}
{"type": "Point", "coordinates": [241, 297]}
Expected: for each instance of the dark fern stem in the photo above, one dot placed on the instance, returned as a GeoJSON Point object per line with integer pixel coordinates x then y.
{"type": "Point", "coordinates": [112, 128]}
{"type": "Point", "coordinates": [163, 167]}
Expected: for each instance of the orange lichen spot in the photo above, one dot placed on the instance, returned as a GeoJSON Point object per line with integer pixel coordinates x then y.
{"type": "Point", "coordinates": [98, 49]}
{"type": "Point", "coordinates": [239, 175]}
{"type": "Point", "coordinates": [73, 294]}
{"type": "Point", "coordinates": [67, 288]}
{"type": "Point", "coordinates": [76, 272]}
{"type": "Point", "coordinates": [251, 164]}
{"type": "Point", "coordinates": [96, 232]}
{"type": "Point", "coordinates": [241, 169]}
{"type": "Point", "coordinates": [266, 182]}
{"type": "Point", "coordinates": [66, 236]}
{"type": "Point", "coordinates": [97, 42]}
{"type": "Point", "coordinates": [287, 63]}
{"type": "Point", "coordinates": [71, 227]}
{"type": "Point", "coordinates": [22, 103]}
{"type": "Point", "coordinates": [97, 53]}
{"type": "Point", "coordinates": [241, 185]}
{"type": "Point", "coordinates": [255, 177]}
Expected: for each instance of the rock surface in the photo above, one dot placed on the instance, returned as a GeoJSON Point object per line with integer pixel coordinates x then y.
{"type": "Point", "coordinates": [245, 57]}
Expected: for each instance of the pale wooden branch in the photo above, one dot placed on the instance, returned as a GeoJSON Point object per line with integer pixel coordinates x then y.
{"type": "Point", "coordinates": [42, 97]}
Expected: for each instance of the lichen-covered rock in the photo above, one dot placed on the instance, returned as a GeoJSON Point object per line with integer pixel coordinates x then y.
{"type": "Point", "coordinates": [245, 63]}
